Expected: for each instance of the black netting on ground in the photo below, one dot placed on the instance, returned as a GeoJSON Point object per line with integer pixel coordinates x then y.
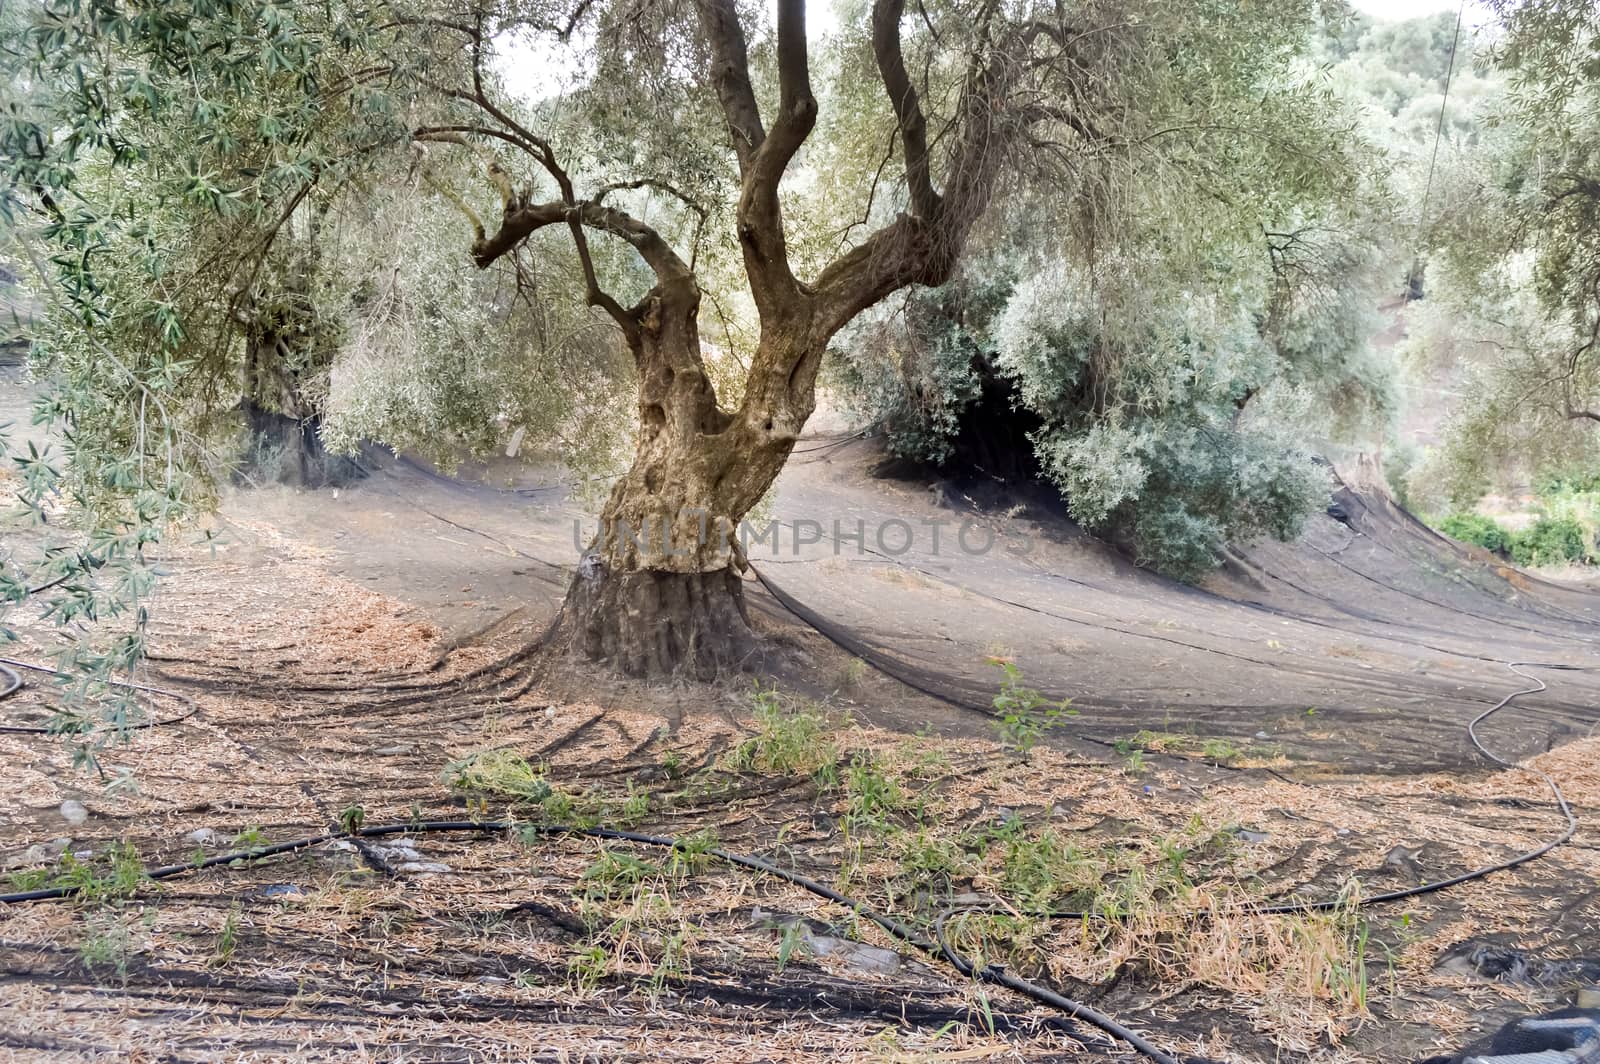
{"type": "Point", "coordinates": [1367, 645]}
{"type": "Point", "coordinates": [1562, 1031]}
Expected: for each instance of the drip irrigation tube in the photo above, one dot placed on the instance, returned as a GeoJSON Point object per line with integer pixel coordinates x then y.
{"type": "Point", "coordinates": [8, 667]}
{"type": "Point", "coordinates": [935, 949]}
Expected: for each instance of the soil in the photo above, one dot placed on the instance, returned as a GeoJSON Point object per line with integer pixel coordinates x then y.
{"type": "Point", "coordinates": [345, 648]}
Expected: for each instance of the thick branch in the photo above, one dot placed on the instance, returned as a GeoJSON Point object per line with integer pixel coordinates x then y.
{"type": "Point", "coordinates": [763, 157]}
{"type": "Point", "coordinates": [797, 105]}
{"type": "Point", "coordinates": [730, 75]}
{"type": "Point", "coordinates": [523, 220]}
{"type": "Point", "coordinates": [907, 108]}
{"type": "Point", "coordinates": [923, 247]}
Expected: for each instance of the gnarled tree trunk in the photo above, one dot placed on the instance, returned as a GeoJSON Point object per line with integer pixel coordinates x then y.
{"type": "Point", "coordinates": [658, 591]}
{"type": "Point", "coordinates": [284, 443]}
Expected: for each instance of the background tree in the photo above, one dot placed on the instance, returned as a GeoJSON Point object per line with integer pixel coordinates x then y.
{"type": "Point", "coordinates": [1171, 359]}
{"type": "Point", "coordinates": [152, 157]}
{"type": "Point", "coordinates": [1515, 313]}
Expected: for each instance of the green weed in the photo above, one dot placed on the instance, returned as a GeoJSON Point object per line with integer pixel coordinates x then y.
{"type": "Point", "coordinates": [1024, 714]}
{"type": "Point", "coordinates": [788, 742]}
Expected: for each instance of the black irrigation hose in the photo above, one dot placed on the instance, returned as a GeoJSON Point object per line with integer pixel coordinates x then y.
{"type": "Point", "coordinates": [936, 949]}
{"type": "Point", "coordinates": [8, 667]}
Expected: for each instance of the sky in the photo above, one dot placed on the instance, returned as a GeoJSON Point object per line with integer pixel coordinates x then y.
{"type": "Point", "coordinates": [1396, 10]}
{"type": "Point", "coordinates": [1402, 9]}
{"type": "Point", "coordinates": [533, 73]}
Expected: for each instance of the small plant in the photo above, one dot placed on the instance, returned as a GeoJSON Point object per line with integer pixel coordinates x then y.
{"type": "Point", "coordinates": [615, 873]}
{"type": "Point", "coordinates": [228, 940]}
{"type": "Point", "coordinates": [787, 743]}
{"type": "Point", "coordinates": [117, 875]}
{"type": "Point", "coordinates": [251, 838]}
{"type": "Point", "coordinates": [1039, 869]}
{"type": "Point", "coordinates": [672, 765]}
{"type": "Point", "coordinates": [635, 807]}
{"type": "Point", "coordinates": [930, 862]}
{"type": "Point", "coordinates": [1024, 714]}
{"type": "Point", "coordinates": [106, 946]}
{"type": "Point", "coordinates": [351, 819]}
{"type": "Point", "coordinates": [559, 807]}
{"type": "Point", "coordinates": [587, 967]}
{"type": "Point", "coordinates": [498, 772]}
{"type": "Point", "coordinates": [793, 941]}
{"type": "Point", "coordinates": [672, 962]}
{"type": "Point", "coordinates": [870, 794]}
{"type": "Point", "coordinates": [691, 854]}
{"type": "Point", "coordinates": [1135, 763]}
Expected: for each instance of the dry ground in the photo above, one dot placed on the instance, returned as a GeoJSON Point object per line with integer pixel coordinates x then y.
{"type": "Point", "coordinates": [318, 694]}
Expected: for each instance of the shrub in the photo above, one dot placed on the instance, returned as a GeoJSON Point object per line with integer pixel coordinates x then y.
{"type": "Point", "coordinates": [1550, 541]}
{"type": "Point", "coordinates": [1477, 529]}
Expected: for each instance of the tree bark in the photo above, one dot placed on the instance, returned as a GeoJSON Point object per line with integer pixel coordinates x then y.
{"type": "Point", "coordinates": [657, 592]}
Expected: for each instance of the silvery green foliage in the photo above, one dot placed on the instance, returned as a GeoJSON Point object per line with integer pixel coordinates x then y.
{"type": "Point", "coordinates": [1044, 338]}
{"type": "Point", "coordinates": [1181, 447]}
{"type": "Point", "coordinates": [445, 360]}
{"type": "Point", "coordinates": [147, 154]}
{"type": "Point", "coordinates": [1180, 488]}
{"type": "Point", "coordinates": [913, 368]}
{"type": "Point", "coordinates": [1174, 418]}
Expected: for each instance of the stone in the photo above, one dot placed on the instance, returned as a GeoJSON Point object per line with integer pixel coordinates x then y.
{"type": "Point", "coordinates": [1404, 860]}
{"type": "Point", "coordinates": [74, 812]}
{"type": "Point", "coordinates": [202, 837]}
{"type": "Point", "coordinates": [816, 940]}
{"type": "Point", "coordinates": [39, 853]}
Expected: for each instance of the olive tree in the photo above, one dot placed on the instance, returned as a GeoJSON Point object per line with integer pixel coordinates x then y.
{"type": "Point", "coordinates": [833, 169]}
